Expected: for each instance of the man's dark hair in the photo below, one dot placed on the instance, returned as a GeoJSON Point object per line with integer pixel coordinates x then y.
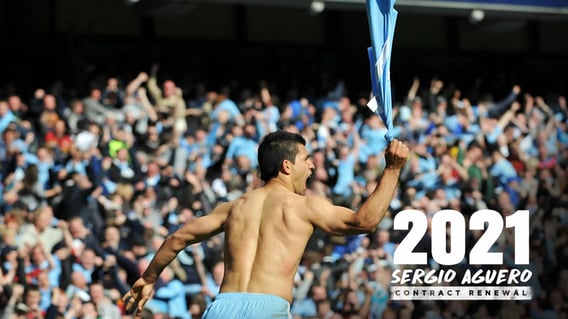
{"type": "Point", "coordinates": [274, 149]}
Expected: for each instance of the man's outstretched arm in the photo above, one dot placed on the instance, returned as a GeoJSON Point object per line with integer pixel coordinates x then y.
{"type": "Point", "coordinates": [344, 221]}
{"type": "Point", "coordinates": [193, 232]}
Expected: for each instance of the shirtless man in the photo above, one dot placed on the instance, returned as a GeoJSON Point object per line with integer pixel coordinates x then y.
{"type": "Point", "coordinates": [267, 229]}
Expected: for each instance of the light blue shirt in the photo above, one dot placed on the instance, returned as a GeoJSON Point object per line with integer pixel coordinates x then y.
{"type": "Point", "coordinates": [43, 172]}
{"type": "Point", "coordinates": [45, 300]}
{"type": "Point", "coordinates": [226, 105]}
{"type": "Point", "coordinates": [212, 286]}
{"type": "Point", "coordinates": [451, 123]}
{"type": "Point", "coordinates": [243, 146]}
{"type": "Point", "coordinates": [375, 139]}
{"type": "Point", "coordinates": [173, 294]}
{"type": "Point", "coordinates": [6, 120]}
{"type": "Point", "coordinates": [503, 170]}
{"type": "Point", "coordinates": [78, 167]}
{"type": "Point", "coordinates": [379, 301]}
{"type": "Point", "coordinates": [272, 115]}
{"type": "Point", "coordinates": [55, 273]}
{"type": "Point", "coordinates": [346, 176]}
{"type": "Point", "coordinates": [492, 137]}
{"type": "Point", "coordinates": [86, 272]}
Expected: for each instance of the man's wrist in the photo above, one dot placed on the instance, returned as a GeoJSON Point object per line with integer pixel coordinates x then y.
{"type": "Point", "coordinates": [392, 170]}
{"type": "Point", "coordinates": [150, 278]}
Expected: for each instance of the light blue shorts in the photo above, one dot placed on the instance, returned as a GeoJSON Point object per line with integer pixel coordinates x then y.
{"type": "Point", "coordinates": [237, 305]}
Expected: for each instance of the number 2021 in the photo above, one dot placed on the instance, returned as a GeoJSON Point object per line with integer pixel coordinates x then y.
{"type": "Point", "coordinates": [485, 219]}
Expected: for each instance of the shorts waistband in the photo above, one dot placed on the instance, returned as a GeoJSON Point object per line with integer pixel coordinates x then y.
{"type": "Point", "coordinates": [250, 296]}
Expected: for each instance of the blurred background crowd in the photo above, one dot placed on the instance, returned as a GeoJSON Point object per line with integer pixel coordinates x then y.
{"type": "Point", "coordinates": [92, 184]}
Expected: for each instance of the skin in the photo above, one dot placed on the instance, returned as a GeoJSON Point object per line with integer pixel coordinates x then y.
{"type": "Point", "coordinates": [267, 229]}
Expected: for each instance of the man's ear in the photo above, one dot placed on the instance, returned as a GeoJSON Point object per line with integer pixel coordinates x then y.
{"type": "Point", "coordinates": [286, 165]}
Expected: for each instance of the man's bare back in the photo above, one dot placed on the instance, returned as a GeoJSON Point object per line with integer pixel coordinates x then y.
{"type": "Point", "coordinates": [264, 241]}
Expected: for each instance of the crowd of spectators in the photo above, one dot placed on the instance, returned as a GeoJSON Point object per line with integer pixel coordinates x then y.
{"type": "Point", "coordinates": [91, 185]}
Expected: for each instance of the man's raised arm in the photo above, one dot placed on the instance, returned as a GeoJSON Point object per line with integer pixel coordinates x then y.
{"type": "Point", "coordinates": [339, 220]}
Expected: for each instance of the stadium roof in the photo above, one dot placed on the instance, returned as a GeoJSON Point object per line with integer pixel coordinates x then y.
{"type": "Point", "coordinates": [524, 9]}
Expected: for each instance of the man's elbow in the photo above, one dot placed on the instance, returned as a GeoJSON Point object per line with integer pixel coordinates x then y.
{"type": "Point", "coordinates": [177, 241]}
{"type": "Point", "coordinates": [364, 227]}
